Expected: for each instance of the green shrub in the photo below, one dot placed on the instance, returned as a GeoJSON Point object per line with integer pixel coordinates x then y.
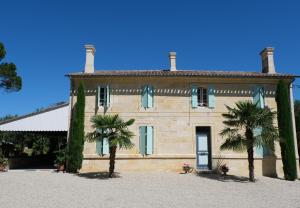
{"type": "Point", "coordinates": [3, 160]}
{"type": "Point", "coordinates": [60, 158]}
{"type": "Point", "coordinates": [286, 131]}
{"type": "Point", "coordinates": [76, 142]}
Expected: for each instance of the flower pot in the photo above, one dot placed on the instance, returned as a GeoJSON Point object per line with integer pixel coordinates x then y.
{"type": "Point", "coordinates": [186, 169]}
{"type": "Point", "coordinates": [61, 167]}
{"type": "Point", "coordinates": [224, 170]}
{"type": "Point", "coordinates": [2, 167]}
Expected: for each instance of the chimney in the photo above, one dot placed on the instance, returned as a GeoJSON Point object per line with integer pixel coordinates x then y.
{"type": "Point", "coordinates": [172, 57]}
{"type": "Point", "coordinates": [89, 60]}
{"type": "Point", "coordinates": [267, 57]}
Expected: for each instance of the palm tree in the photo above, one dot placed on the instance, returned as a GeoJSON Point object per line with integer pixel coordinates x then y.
{"type": "Point", "coordinates": [115, 130]}
{"type": "Point", "coordinates": [248, 126]}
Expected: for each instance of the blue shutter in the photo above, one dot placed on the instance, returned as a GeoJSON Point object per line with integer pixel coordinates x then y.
{"type": "Point", "coordinates": [211, 97]}
{"type": "Point", "coordinates": [142, 140]}
{"type": "Point", "coordinates": [107, 96]}
{"type": "Point", "coordinates": [98, 96]}
{"type": "Point", "coordinates": [256, 96]}
{"type": "Point", "coordinates": [258, 99]}
{"type": "Point", "coordinates": [259, 151]}
{"type": "Point", "coordinates": [261, 98]}
{"type": "Point", "coordinates": [194, 97]}
{"type": "Point", "coordinates": [150, 96]}
{"type": "Point", "coordinates": [105, 150]}
{"type": "Point", "coordinates": [99, 147]}
{"type": "Point", "coordinates": [149, 141]}
{"type": "Point", "coordinates": [144, 97]}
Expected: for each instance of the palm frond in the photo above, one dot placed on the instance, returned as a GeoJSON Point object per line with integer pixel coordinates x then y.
{"type": "Point", "coordinates": [113, 128]}
{"type": "Point", "coordinates": [246, 115]}
{"type": "Point", "coordinates": [237, 143]}
{"type": "Point", "coordinates": [229, 131]}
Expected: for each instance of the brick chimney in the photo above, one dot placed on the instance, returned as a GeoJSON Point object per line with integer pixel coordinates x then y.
{"type": "Point", "coordinates": [172, 57]}
{"type": "Point", "coordinates": [89, 61]}
{"type": "Point", "coordinates": [267, 57]}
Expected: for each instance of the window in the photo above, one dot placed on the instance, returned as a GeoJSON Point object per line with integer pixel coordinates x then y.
{"type": "Point", "coordinates": [103, 96]}
{"type": "Point", "coordinates": [202, 96]}
{"type": "Point", "coordinates": [146, 140]}
{"type": "Point", "coordinates": [147, 96]}
{"type": "Point", "coordinates": [102, 147]}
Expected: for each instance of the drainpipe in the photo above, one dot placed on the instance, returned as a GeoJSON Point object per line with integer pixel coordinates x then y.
{"type": "Point", "coordinates": [294, 127]}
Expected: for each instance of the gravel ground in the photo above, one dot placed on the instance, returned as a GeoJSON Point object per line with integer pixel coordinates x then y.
{"type": "Point", "coordinates": [45, 188]}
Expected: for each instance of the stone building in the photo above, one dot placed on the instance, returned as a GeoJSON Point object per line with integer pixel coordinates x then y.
{"type": "Point", "coordinates": [178, 114]}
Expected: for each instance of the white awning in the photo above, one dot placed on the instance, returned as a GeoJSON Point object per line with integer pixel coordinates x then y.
{"type": "Point", "coordinates": [50, 119]}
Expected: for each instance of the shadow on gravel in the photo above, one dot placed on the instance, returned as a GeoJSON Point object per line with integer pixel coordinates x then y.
{"type": "Point", "coordinates": [227, 178]}
{"type": "Point", "coordinates": [98, 175]}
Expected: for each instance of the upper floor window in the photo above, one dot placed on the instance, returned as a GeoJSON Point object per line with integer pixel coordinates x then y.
{"type": "Point", "coordinates": [202, 96]}
{"type": "Point", "coordinates": [103, 95]}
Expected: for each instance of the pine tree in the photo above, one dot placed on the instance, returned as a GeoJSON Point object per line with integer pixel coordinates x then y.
{"type": "Point", "coordinates": [9, 80]}
{"type": "Point", "coordinates": [76, 142]}
{"type": "Point", "coordinates": [286, 131]}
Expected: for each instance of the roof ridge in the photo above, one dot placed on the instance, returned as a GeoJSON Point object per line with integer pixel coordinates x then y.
{"type": "Point", "coordinates": [203, 73]}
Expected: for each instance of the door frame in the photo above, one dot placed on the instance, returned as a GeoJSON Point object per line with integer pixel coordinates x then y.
{"type": "Point", "coordinates": [204, 129]}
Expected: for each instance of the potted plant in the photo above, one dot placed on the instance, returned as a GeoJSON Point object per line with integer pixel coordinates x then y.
{"type": "Point", "coordinates": [186, 167]}
{"type": "Point", "coordinates": [60, 160]}
{"type": "Point", "coordinates": [3, 163]}
{"type": "Point", "coordinates": [224, 169]}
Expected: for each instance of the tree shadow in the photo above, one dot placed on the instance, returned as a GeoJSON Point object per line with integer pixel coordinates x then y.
{"type": "Point", "coordinates": [99, 175]}
{"type": "Point", "coordinates": [223, 178]}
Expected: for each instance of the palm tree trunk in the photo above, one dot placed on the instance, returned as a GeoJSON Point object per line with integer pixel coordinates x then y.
{"type": "Point", "coordinates": [112, 158]}
{"type": "Point", "coordinates": [251, 164]}
{"type": "Point", "coordinates": [249, 135]}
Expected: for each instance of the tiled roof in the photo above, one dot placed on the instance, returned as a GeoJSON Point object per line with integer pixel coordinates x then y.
{"type": "Point", "coordinates": [180, 73]}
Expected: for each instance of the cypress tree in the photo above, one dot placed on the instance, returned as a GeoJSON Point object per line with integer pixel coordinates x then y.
{"type": "Point", "coordinates": [297, 118]}
{"type": "Point", "coordinates": [286, 131]}
{"type": "Point", "coordinates": [76, 142]}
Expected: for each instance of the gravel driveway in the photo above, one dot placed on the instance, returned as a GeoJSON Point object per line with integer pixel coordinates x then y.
{"type": "Point", "coordinates": [45, 188]}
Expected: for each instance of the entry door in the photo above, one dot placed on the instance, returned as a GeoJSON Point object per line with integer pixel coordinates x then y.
{"type": "Point", "coordinates": [202, 151]}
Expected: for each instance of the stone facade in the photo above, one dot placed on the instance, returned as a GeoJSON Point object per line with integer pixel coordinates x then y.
{"type": "Point", "coordinates": [174, 121]}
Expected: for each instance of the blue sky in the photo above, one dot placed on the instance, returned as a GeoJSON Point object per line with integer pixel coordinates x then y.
{"type": "Point", "coordinates": [45, 39]}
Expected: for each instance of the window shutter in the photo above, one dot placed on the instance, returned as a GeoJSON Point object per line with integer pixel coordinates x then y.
{"type": "Point", "coordinates": [150, 96]}
{"type": "Point", "coordinates": [144, 97]}
{"type": "Point", "coordinates": [105, 150]}
{"type": "Point", "coordinates": [261, 98]}
{"type": "Point", "coordinates": [149, 141]}
{"type": "Point", "coordinates": [258, 99]}
{"type": "Point", "coordinates": [194, 97]}
{"type": "Point", "coordinates": [259, 151]}
{"type": "Point", "coordinates": [99, 147]}
{"type": "Point", "coordinates": [143, 140]}
{"type": "Point", "coordinates": [107, 96]}
{"type": "Point", "coordinates": [98, 96]}
{"type": "Point", "coordinates": [211, 97]}
{"type": "Point", "coordinates": [256, 96]}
